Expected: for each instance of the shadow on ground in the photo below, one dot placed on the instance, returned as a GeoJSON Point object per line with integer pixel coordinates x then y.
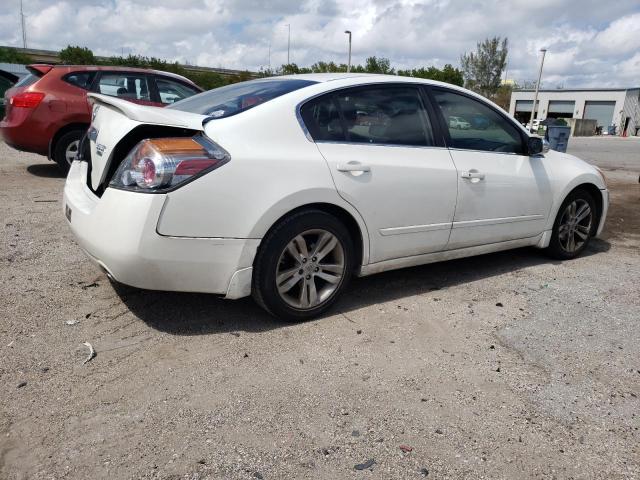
{"type": "Point", "coordinates": [202, 314]}
{"type": "Point", "coordinates": [45, 170]}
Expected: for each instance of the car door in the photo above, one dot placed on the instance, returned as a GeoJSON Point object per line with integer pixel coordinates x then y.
{"type": "Point", "coordinates": [503, 193]}
{"type": "Point", "coordinates": [381, 148]}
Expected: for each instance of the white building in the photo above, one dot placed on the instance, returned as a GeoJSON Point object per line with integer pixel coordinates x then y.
{"type": "Point", "coordinates": [608, 106]}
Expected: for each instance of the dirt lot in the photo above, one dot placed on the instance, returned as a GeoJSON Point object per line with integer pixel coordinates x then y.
{"type": "Point", "coordinates": [502, 366]}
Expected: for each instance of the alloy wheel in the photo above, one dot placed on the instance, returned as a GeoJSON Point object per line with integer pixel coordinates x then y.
{"type": "Point", "coordinates": [575, 225]}
{"type": "Point", "coordinates": [310, 269]}
{"type": "Point", "coordinates": [71, 151]}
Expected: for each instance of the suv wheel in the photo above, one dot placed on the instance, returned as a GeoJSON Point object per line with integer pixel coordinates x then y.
{"type": "Point", "coordinates": [66, 149]}
{"type": "Point", "coordinates": [303, 265]}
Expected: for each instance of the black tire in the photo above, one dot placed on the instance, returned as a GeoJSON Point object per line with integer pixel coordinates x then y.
{"type": "Point", "coordinates": [556, 249]}
{"type": "Point", "coordinates": [265, 288]}
{"type": "Point", "coordinates": [61, 146]}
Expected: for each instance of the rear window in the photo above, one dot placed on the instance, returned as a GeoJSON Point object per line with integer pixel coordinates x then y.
{"type": "Point", "coordinates": [238, 97]}
{"type": "Point", "coordinates": [30, 79]}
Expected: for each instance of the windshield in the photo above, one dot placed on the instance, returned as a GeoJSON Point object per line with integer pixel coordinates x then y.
{"type": "Point", "coordinates": [238, 97]}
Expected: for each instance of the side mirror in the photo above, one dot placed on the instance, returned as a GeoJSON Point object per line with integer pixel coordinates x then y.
{"type": "Point", "coordinates": [536, 145]}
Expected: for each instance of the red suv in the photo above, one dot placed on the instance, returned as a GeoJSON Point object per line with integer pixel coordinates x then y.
{"type": "Point", "coordinates": [47, 111]}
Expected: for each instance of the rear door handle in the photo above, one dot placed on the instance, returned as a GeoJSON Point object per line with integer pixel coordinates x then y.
{"type": "Point", "coordinates": [353, 167]}
{"type": "Point", "coordinates": [472, 174]}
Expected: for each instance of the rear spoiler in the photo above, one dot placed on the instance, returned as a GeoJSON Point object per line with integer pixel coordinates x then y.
{"type": "Point", "coordinates": [148, 114]}
{"type": "Point", "coordinates": [39, 69]}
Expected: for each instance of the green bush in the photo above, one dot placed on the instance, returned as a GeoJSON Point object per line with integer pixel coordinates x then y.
{"type": "Point", "coordinates": [77, 56]}
{"type": "Point", "coordinates": [11, 55]}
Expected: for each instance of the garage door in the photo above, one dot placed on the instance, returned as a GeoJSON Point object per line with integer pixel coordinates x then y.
{"type": "Point", "coordinates": [602, 112]}
{"type": "Point", "coordinates": [560, 109]}
{"type": "Point", "coordinates": [523, 110]}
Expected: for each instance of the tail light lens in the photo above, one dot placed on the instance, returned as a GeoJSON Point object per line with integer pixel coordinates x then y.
{"type": "Point", "coordinates": [163, 164]}
{"type": "Point", "coordinates": [26, 99]}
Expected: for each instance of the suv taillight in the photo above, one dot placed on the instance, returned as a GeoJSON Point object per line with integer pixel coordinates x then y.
{"type": "Point", "coordinates": [162, 164]}
{"type": "Point", "coordinates": [26, 99]}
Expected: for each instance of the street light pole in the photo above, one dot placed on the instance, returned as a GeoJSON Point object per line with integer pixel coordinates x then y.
{"type": "Point", "coordinates": [288, 43]}
{"type": "Point", "coordinates": [348, 32]}
{"type": "Point", "coordinates": [24, 31]}
{"type": "Point", "coordinates": [535, 97]}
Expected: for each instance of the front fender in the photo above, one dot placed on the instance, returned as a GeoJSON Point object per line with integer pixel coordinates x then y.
{"type": "Point", "coordinates": [583, 179]}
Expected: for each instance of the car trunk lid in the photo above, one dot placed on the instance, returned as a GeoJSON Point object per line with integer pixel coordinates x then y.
{"type": "Point", "coordinates": [115, 118]}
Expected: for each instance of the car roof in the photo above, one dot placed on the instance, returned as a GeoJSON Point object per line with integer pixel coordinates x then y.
{"type": "Point", "coordinates": [326, 82]}
{"type": "Point", "coordinates": [359, 78]}
{"type": "Point", "coordinates": [114, 68]}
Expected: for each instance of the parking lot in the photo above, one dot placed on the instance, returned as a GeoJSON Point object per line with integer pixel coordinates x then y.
{"type": "Point", "coordinates": [508, 365]}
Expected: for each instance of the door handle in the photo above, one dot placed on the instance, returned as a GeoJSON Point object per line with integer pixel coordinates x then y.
{"type": "Point", "coordinates": [471, 174]}
{"type": "Point", "coordinates": [353, 167]}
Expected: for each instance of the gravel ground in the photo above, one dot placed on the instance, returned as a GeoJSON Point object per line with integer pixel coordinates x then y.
{"type": "Point", "coordinates": [502, 366]}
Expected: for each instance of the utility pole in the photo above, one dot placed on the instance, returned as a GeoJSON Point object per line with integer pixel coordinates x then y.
{"type": "Point", "coordinates": [535, 97]}
{"type": "Point", "coordinates": [269, 56]}
{"type": "Point", "coordinates": [289, 44]}
{"type": "Point", "coordinates": [24, 31]}
{"type": "Point", "coordinates": [348, 32]}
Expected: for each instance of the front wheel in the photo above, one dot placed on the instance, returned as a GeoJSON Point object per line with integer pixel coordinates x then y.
{"type": "Point", "coordinates": [303, 265]}
{"type": "Point", "coordinates": [574, 226]}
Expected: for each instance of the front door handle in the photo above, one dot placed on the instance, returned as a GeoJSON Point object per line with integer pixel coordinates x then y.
{"type": "Point", "coordinates": [471, 174]}
{"type": "Point", "coordinates": [353, 167]}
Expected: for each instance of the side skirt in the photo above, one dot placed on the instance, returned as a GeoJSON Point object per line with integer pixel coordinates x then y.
{"type": "Point", "coordinates": [416, 260]}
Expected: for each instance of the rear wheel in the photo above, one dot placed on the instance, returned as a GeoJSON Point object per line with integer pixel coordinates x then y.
{"type": "Point", "coordinates": [303, 265]}
{"type": "Point", "coordinates": [574, 226]}
{"type": "Point", "coordinates": [66, 149]}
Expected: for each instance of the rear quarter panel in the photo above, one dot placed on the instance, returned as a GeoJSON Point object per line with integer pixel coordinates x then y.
{"type": "Point", "coordinates": [274, 169]}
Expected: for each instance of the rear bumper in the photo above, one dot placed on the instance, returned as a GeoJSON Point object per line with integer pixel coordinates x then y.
{"type": "Point", "coordinates": [21, 133]}
{"type": "Point", "coordinates": [118, 232]}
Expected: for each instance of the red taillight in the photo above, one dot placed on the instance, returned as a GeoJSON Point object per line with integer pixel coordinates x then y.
{"type": "Point", "coordinates": [148, 169]}
{"type": "Point", "coordinates": [159, 164]}
{"type": "Point", "coordinates": [195, 166]}
{"type": "Point", "coordinates": [26, 99]}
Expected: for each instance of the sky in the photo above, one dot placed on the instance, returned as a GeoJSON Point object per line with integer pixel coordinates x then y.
{"type": "Point", "coordinates": [590, 43]}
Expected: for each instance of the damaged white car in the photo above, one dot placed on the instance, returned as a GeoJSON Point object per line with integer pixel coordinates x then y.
{"type": "Point", "coordinates": [283, 188]}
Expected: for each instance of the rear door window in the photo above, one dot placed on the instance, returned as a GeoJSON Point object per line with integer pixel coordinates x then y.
{"type": "Point", "coordinates": [171, 91]}
{"type": "Point", "coordinates": [126, 85]}
{"type": "Point", "coordinates": [385, 115]}
{"type": "Point", "coordinates": [80, 79]}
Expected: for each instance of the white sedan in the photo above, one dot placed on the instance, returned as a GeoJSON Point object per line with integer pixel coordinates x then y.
{"type": "Point", "coordinates": [283, 188]}
{"type": "Point", "coordinates": [457, 122]}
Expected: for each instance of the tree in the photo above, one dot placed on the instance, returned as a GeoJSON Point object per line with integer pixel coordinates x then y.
{"type": "Point", "coordinates": [207, 80]}
{"type": "Point", "coordinates": [292, 68]}
{"type": "Point", "coordinates": [77, 56]}
{"type": "Point", "coordinates": [483, 68]}
{"type": "Point", "coordinates": [503, 96]}
{"type": "Point", "coordinates": [324, 67]}
{"type": "Point", "coordinates": [11, 55]}
{"type": "Point", "coordinates": [448, 74]}
{"type": "Point", "coordinates": [378, 65]}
